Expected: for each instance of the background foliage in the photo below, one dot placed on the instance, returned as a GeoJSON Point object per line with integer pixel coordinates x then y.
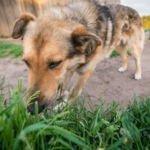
{"type": "Point", "coordinates": [146, 22]}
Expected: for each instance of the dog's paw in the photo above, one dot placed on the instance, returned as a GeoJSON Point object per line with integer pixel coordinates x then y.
{"type": "Point", "coordinates": [121, 69]}
{"type": "Point", "coordinates": [62, 104]}
{"type": "Point", "coordinates": [56, 107]}
{"type": "Point", "coordinates": [138, 76]}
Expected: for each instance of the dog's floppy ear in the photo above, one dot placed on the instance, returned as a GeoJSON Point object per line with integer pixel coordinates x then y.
{"type": "Point", "coordinates": [21, 23]}
{"type": "Point", "coordinates": [84, 41]}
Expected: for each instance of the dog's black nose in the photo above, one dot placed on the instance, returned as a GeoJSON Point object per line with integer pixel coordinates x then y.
{"type": "Point", "coordinates": [31, 108]}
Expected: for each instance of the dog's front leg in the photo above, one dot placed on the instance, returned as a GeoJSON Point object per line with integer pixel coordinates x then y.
{"type": "Point", "coordinates": [65, 98]}
{"type": "Point", "coordinates": [65, 93]}
{"type": "Point", "coordinates": [80, 82]}
{"type": "Point", "coordinates": [67, 79]}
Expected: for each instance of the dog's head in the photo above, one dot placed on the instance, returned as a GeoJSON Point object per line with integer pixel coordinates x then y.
{"type": "Point", "coordinates": [51, 47]}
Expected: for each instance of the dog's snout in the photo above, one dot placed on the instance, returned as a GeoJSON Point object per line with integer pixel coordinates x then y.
{"type": "Point", "coordinates": [31, 108]}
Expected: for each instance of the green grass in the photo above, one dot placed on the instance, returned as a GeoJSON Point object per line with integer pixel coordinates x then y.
{"type": "Point", "coordinates": [4, 37]}
{"type": "Point", "coordinates": [147, 30]}
{"type": "Point", "coordinates": [114, 53]}
{"type": "Point", "coordinates": [8, 49]}
{"type": "Point", "coordinates": [16, 63]}
{"type": "Point", "coordinates": [73, 127]}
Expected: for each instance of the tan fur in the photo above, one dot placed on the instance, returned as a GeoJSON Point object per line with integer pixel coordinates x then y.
{"type": "Point", "coordinates": [42, 81]}
{"type": "Point", "coordinates": [80, 82]}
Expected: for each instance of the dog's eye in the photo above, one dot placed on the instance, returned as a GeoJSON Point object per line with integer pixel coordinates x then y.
{"type": "Point", "coordinates": [54, 64]}
{"type": "Point", "coordinates": [27, 63]}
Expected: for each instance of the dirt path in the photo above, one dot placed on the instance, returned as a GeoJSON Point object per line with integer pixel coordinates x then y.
{"type": "Point", "coordinates": [106, 82]}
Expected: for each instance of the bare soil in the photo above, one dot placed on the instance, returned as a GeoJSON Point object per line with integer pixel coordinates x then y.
{"type": "Point", "coordinates": [105, 83]}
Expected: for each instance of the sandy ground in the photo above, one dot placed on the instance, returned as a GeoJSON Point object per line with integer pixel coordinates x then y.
{"type": "Point", "coordinates": [106, 82]}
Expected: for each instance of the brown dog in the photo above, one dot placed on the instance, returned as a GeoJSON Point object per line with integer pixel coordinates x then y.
{"type": "Point", "coordinates": [74, 38]}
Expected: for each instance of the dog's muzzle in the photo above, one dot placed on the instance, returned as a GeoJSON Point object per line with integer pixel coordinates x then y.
{"type": "Point", "coordinates": [31, 108]}
{"type": "Point", "coordinates": [41, 107]}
